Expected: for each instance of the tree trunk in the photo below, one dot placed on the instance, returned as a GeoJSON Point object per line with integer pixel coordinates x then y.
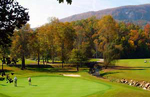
{"type": "Point", "coordinates": [106, 66]}
{"type": "Point", "coordinates": [52, 57]}
{"type": "Point", "coordinates": [2, 65]}
{"type": "Point", "coordinates": [52, 60]}
{"type": "Point", "coordinates": [62, 54]}
{"type": "Point", "coordinates": [23, 62]}
{"type": "Point", "coordinates": [43, 61]}
{"type": "Point", "coordinates": [62, 64]}
{"type": "Point", "coordinates": [3, 62]}
{"type": "Point", "coordinates": [77, 67]}
{"type": "Point", "coordinates": [38, 59]}
{"type": "Point", "coordinates": [47, 60]}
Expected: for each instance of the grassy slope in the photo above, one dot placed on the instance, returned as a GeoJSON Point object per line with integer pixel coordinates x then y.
{"type": "Point", "coordinates": [48, 84]}
{"type": "Point", "coordinates": [138, 70]}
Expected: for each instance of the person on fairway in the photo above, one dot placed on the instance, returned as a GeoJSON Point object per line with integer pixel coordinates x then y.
{"type": "Point", "coordinates": [7, 78]}
{"type": "Point", "coordinates": [15, 81]}
{"type": "Point", "coordinates": [29, 79]}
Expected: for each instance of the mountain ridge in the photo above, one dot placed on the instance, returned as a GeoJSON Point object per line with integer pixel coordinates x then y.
{"type": "Point", "coordinates": [133, 13]}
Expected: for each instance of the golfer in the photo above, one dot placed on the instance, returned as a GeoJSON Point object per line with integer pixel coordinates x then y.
{"type": "Point", "coordinates": [7, 78]}
{"type": "Point", "coordinates": [15, 81]}
{"type": "Point", "coordinates": [29, 80]}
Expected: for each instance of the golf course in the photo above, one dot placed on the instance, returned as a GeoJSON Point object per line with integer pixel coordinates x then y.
{"type": "Point", "coordinates": [74, 48]}
{"type": "Point", "coordinates": [48, 82]}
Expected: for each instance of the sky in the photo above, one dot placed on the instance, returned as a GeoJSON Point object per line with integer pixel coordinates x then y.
{"type": "Point", "coordinates": [41, 10]}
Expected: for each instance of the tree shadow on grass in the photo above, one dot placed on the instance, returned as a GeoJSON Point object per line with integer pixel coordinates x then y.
{"type": "Point", "coordinates": [108, 73]}
{"type": "Point", "coordinates": [2, 85]}
{"type": "Point", "coordinates": [34, 85]}
{"type": "Point", "coordinates": [131, 69]}
{"type": "Point", "coordinates": [52, 70]}
{"type": "Point", "coordinates": [46, 68]}
{"type": "Point", "coordinates": [21, 86]}
{"type": "Point", "coordinates": [33, 66]}
{"type": "Point", "coordinates": [128, 68]}
{"type": "Point", "coordinates": [6, 71]}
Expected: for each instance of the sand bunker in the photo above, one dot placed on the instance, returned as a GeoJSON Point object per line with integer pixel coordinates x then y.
{"type": "Point", "coordinates": [72, 75]}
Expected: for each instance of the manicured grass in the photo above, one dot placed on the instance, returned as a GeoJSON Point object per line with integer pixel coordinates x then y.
{"type": "Point", "coordinates": [52, 86]}
{"type": "Point", "coordinates": [94, 59]}
{"type": "Point", "coordinates": [134, 62]}
{"type": "Point", "coordinates": [136, 69]}
{"type": "Point", "coordinates": [47, 82]}
{"type": "Point", "coordinates": [28, 61]}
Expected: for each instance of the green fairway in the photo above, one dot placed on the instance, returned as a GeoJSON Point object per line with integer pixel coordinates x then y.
{"type": "Point", "coordinates": [52, 86]}
{"type": "Point", "coordinates": [134, 62]}
{"type": "Point", "coordinates": [47, 81]}
{"type": "Point", "coordinates": [132, 69]}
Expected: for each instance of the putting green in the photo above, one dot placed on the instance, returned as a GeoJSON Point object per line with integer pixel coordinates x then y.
{"type": "Point", "coordinates": [52, 86]}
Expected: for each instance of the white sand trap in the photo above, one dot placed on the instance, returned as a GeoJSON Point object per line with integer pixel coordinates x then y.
{"type": "Point", "coordinates": [72, 75]}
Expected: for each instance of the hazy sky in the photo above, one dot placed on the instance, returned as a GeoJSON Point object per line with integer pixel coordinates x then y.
{"type": "Point", "coordinates": [41, 10]}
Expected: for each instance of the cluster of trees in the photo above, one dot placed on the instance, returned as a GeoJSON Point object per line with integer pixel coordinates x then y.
{"type": "Point", "coordinates": [78, 41]}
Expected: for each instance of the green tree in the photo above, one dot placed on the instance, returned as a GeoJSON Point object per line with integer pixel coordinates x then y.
{"type": "Point", "coordinates": [68, 1]}
{"type": "Point", "coordinates": [4, 51]}
{"type": "Point", "coordinates": [78, 57]}
{"type": "Point", "coordinates": [12, 15]}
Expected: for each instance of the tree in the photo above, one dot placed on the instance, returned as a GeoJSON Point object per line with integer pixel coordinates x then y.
{"type": "Point", "coordinates": [107, 36]}
{"type": "Point", "coordinates": [77, 57]}
{"type": "Point", "coordinates": [3, 54]}
{"type": "Point", "coordinates": [64, 39]}
{"type": "Point", "coordinates": [68, 1]}
{"type": "Point", "coordinates": [20, 43]}
{"type": "Point", "coordinates": [84, 32]}
{"type": "Point", "coordinates": [34, 46]}
{"type": "Point", "coordinates": [12, 15]}
{"type": "Point", "coordinates": [51, 30]}
{"type": "Point", "coordinates": [42, 37]}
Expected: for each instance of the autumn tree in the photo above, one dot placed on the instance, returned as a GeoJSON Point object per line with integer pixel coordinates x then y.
{"type": "Point", "coordinates": [42, 42]}
{"type": "Point", "coordinates": [147, 34]}
{"type": "Point", "coordinates": [20, 47]}
{"type": "Point", "coordinates": [51, 31]}
{"type": "Point", "coordinates": [107, 35]}
{"type": "Point", "coordinates": [34, 46]}
{"type": "Point", "coordinates": [84, 35]}
{"type": "Point", "coordinates": [64, 40]}
{"type": "Point", "coordinates": [46, 39]}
